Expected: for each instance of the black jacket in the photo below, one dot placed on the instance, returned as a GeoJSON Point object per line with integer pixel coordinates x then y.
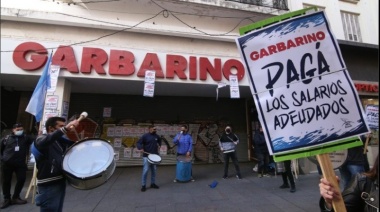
{"type": "Point", "coordinates": [9, 143]}
{"type": "Point", "coordinates": [52, 148]}
{"type": "Point", "coordinates": [260, 143]}
{"type": "Point", "coordinates": [352, 196]}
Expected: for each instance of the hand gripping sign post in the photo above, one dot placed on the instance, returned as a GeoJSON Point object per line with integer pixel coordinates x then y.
{"type": "Point", "coordinates": [306, 100]}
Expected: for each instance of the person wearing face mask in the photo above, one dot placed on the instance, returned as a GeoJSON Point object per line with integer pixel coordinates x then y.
{"type": "Point", "coordinates": [227, 144]}
{"type": "Point", "coordinates": [49, 150]}
{"type": "Point", "coordinates": [184, 143]}
{"type": "Point", "coordinates": [149, 143]}
{"type": "Point", "coordinates": [14, 153]}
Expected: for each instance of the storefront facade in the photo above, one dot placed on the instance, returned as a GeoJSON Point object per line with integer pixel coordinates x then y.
{"type": "Point", "coordinates": [105, 78]}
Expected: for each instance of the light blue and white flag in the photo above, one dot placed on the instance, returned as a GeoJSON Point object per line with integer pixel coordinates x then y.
{"type": "Point", "coordinates": [36, 103]}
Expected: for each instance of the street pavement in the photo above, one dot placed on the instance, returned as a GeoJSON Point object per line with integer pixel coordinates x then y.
{"type": "Point", "coordinates": [122, 192]}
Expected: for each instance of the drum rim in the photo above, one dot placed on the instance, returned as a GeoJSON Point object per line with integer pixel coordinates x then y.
{"type": "Point", "coordinates": [151, 159]}
{"type": "Point", "coordinates": [66, 168]}
{"type": "Point", "coordinates": [154, 155]}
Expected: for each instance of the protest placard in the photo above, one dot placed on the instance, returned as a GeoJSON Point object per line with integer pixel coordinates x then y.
{"type": "Point", "coordinates": [306, 100]}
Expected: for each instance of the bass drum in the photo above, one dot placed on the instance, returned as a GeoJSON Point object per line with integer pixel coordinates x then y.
{"type": "Point", "coordinates": [89, 163]}
{"type": "Point", "coordinates": [337, 158]}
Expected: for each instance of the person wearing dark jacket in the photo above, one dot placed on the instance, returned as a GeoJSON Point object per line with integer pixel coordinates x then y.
{"type": "Point", "coordinates": [262, 152]}
{"type": "Point", "coordinates": [228, 142]}
{"type": "Point", "coordinates": [14, 153]}
{"type": "Point", "coordinates": [48, 150]}
{"type": "Point", "coordinates": [149, 143]}
{"type": "Point", "coordinates": [361, 194]}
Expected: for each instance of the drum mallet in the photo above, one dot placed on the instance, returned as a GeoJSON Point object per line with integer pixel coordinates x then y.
{"type": "Point", "coordinates": [82, 116]}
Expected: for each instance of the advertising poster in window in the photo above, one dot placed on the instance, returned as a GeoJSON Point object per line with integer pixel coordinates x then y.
{"type": "Point", "coordinates": [304, 95]}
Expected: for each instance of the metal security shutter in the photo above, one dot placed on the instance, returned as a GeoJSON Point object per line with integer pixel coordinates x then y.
{"type": "Point", "coordinates": [207, 112]}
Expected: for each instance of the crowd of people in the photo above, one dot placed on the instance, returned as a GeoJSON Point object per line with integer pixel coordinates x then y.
{"type": "Point", "coordinates": [48, 149]}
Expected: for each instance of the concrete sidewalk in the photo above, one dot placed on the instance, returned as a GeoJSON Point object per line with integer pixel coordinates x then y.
{"type": "Point", "coordinates": [122, 192]}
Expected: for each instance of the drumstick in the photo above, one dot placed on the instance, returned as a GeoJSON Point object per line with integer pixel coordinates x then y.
{"type": "Point", "coordinates": [82, 116]}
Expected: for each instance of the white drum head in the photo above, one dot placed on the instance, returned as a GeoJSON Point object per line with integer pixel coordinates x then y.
{"type": "Point", "coordinates": [154, 158]}
{"type": "Point", "coordinates": [88, 158]}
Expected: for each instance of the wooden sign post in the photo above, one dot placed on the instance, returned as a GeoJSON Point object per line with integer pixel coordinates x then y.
{"type": "Point", "coordinates": [366, 144]}
{"type": "Point", "coordinates": [329, 174]}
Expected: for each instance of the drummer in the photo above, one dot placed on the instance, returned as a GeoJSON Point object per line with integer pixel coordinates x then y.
{"type": "Point", "coordinates": [48, 151]}
{"type": "Point", "coordinates": [149, 143]}
{"type": "Point", "coordinates": [184, 143]}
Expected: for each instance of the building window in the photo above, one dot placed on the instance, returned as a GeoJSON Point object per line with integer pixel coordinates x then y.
{"type": "Point", "coordinates": [351, 27]}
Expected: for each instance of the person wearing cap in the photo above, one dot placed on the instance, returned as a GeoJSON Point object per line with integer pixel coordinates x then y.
{"type": "Point", "coordinates": [14, 152]}
{"type": "Point", "coordinates": [227, 143]}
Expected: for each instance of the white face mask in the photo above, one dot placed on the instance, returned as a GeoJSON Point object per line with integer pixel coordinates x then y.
{"type": "Point", "coordinates": [19, 133]}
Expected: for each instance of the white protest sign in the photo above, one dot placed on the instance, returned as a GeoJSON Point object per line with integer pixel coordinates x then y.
{"type": "Point", "coordinates": [302, 90]}
{"type": "Point", "coordinates": [372, 115]}
{"type": "Point", "coordinates": [54, 73]}
{"type": "Point", "coordinates": [51, 102]}
{"type": "Point", "coordinates": [150, 77]}
{"type": "Point", "coordinates": [234, 87]}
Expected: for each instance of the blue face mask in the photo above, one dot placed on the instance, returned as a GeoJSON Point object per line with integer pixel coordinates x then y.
{"type": "Point", "coordinates": [19, 133]}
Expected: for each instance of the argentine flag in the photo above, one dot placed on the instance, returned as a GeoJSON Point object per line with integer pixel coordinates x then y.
{"type": "Point", "coordinates": [36, 103]}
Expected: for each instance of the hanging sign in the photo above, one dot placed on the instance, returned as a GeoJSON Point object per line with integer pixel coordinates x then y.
{"type": "Point", "coordinates": [234, 87]}
{"type": "Point", "coordinates": [150, 77]}
{"type": "Point", "coordinates": [54, 73]}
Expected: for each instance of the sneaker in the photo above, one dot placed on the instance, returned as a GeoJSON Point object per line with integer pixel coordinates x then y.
{"type": "Point", "coordinates": [225, 177]}
{"type": "Point", "coordinates": [238, 176]}
{"type": "Point", "coordinates": [175, 180]}
{"type": "Point", "coordinates": [259, 175]}
{"type": "Point", "coordinates": [154, 186]}
{"type": "Point", "coordinates": [6, 203]}
{"type": "Point", "coordinates": [143, 188]}
{"type": "Point", "coordinates": [284, 186]}
{"type": "Point", "coordinates": [266, 175]}
{"type": "Point", "coordinates": [192, 180]}
{"type": "Point", "coordinates": [293, 189]}
{"type": "Point", "coordinates": [18, 201]}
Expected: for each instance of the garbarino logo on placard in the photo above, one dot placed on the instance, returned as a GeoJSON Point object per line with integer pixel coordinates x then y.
{"type": "Point", "coordinates": [302, 90]}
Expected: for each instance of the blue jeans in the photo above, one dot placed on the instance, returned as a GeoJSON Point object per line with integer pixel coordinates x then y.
{"type": "Point", "coordinates": [146, 166]}
{"type": "Point", "coordinates": [50, 198]}
{"type": "Point", "coordinates": [347, 171]}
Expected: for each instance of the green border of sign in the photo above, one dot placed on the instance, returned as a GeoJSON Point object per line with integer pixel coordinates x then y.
{"type": "Point", "coordinates": [330, 147]}
{"type": "Point", "coordinates": [266, 22]}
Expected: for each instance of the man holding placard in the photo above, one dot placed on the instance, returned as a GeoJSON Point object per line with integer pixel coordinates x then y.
{"type": "Point", "coordinates": [305, 98]}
